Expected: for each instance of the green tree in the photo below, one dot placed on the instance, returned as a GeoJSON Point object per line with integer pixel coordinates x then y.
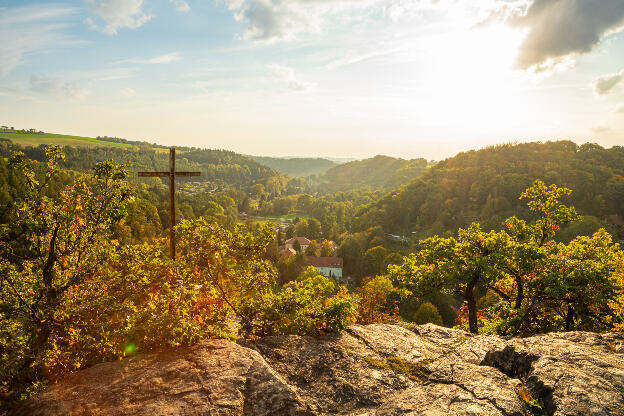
{"type": "Point", "coordinates": [351, 250]}
{"type": "Point", "coordinates": [314, 229]}
{"type": "Point", "coordinates": [573, 286]}
{"type": "Point", "coordinates": [301, 229]}
{"type": "Point", "coordinates": [304, 203]}
{"type": "Point", "coordinates": [297, 246]}
{"type": "Point", "coordinates": [427, 313]}
{"type": "Point", "coordinates": [541, 285]}
{"type": "Point", "coordinates": [291, 267]}
{"type": "Point", "coordinates": [257, 190]}
{"type": "Point", "coordinates": [373, 260]}
{"type": "Point", "coordinates": [454, 266]}
{"type": "Point", "coordinates": [310, 305]}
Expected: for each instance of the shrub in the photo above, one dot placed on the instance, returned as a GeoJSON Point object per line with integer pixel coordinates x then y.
{"type": "Point", "coordinates": [373, 300]}
{"type": "Point", "coordinates": [427, 313]}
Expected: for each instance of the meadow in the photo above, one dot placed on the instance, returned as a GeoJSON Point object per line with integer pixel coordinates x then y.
{"type": "Point", "coordinates": [35, 139]}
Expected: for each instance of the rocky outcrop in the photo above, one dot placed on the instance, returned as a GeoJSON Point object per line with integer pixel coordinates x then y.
{"type": "Point", "coordinates": [368, 370]}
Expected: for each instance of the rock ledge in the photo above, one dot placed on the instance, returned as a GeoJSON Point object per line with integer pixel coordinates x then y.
{"type": "Point", "coordinates": [371, 370]}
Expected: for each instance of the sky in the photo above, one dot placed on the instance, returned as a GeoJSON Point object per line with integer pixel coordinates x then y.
{"type": "Point", "coordinates": [341, 78]}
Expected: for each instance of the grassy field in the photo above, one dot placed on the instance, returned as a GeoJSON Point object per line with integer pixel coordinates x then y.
{"type": "Point", "coordinates": [35, 139]}
{"type": "Point", "coordinates": [289, 216]}
{"type": "Point", "coordinates": [260, 220]}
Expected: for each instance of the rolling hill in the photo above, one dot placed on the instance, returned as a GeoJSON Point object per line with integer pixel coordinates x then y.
{"type": "Point", "coordinates": [484, 185]}
{"type": "Point", "coordinates": [377, 173]}
{"type": "Point", "coordinates": [296, 166]}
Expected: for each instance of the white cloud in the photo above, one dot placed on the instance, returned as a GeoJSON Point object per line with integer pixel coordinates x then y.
{"type": "Point", "coordinates": [58, 88]}
{"type": "Point", "coordinates": [29, 14]}
{"type": "Point", "coordinates": [271, 20]}
{"type": "Point", "coordinates": [118, 14]}
{"type": "Point", "coordinates": [606, 83]}
{"type": "Point", "coordinates": [160, 59]}
{"type": "Point", "coordinates": [181, 5]}
{"type": "Point", "coordinates": [30, 30]}
{"type": "Point", "coordinates": [502, 11]}
{"type": "Point", "coordinates": [163, 59]}
{"type": "Point", "coordinates": [268, 20]}
{"type": "Point", "coordinates": [287, 75]}
{"type": "Point", "coordinates": [559, 29]}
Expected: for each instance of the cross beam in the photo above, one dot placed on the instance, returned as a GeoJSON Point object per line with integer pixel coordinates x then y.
{"type": "Point", "coordinates": [172, 175]}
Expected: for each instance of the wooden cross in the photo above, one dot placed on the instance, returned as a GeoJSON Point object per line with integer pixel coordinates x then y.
{"type": "Point", "coordinates": [172, 174]}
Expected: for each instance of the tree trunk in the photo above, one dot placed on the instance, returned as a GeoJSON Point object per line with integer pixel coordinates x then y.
{"type": "Point", "coordinates": [520, 296]}
{"type": "Point", "coordinates": [569, 317]}
{"type": "Point", "coordinates": [34, 351]}
{"type": "Point", "coordinates": [472, 306]}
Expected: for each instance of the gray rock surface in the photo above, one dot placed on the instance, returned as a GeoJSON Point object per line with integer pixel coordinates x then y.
{"type": "Point", "coordinates": [371, 370]}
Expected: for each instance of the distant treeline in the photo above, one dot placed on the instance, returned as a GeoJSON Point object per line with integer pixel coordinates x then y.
{"type": "Point", "coordinates": [296, 166]}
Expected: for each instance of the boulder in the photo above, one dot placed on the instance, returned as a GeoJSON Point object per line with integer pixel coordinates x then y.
{"type": "Point", "coordinates": [381, 369]}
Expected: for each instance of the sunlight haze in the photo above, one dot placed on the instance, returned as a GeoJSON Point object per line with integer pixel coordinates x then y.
{"type": "Point", "coordinates": [422, 78]}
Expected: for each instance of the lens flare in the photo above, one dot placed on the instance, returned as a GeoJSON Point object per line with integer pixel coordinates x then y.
{"type": "Point", "coordinates": [130, 349]}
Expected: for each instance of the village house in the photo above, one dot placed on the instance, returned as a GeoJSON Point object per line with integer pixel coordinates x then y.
{"type": "Point", "coordinates": [328, 266]}
{"type": "Point", "coordinates": [303, 242]}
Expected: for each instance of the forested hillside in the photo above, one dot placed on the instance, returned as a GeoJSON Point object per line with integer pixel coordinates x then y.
{"type": "Point", "coordinates": [296, 166]}
{"type": "Point", "coordinates": [229, 183]}
{"type": "Point", "coordinates": [220, 166]}
{"type": "Point", "coordinates": [377, 173]}
{"type": "Point", "coordinates": [483, 186]}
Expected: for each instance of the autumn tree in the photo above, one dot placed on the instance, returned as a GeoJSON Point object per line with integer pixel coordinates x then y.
{"type": "Point", "coordinates": [327, 248]}
{"type": "Point", "coordinates": [72, 295]}
{"type": "Point", "coordinates": [373, 296]}
{"type": "Point", "coordinates": [51, 245]}
{"type": "Point", "coordinates": [313, 249]}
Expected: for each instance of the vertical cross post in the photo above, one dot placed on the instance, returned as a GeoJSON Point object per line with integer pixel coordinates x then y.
{"type": "Point", "coordinates": [172, 207]}
{"type": "Point", "coordinates": [172, 174]}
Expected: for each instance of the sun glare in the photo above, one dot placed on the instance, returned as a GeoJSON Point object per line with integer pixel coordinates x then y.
{"type": "Point", "coordinates": [472, 75]}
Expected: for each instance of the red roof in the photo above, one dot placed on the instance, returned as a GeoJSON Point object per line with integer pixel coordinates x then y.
{"type": "Point", "coordinates": [334, 262]}
{"type": "Point", "coordinates": [302, 241]}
